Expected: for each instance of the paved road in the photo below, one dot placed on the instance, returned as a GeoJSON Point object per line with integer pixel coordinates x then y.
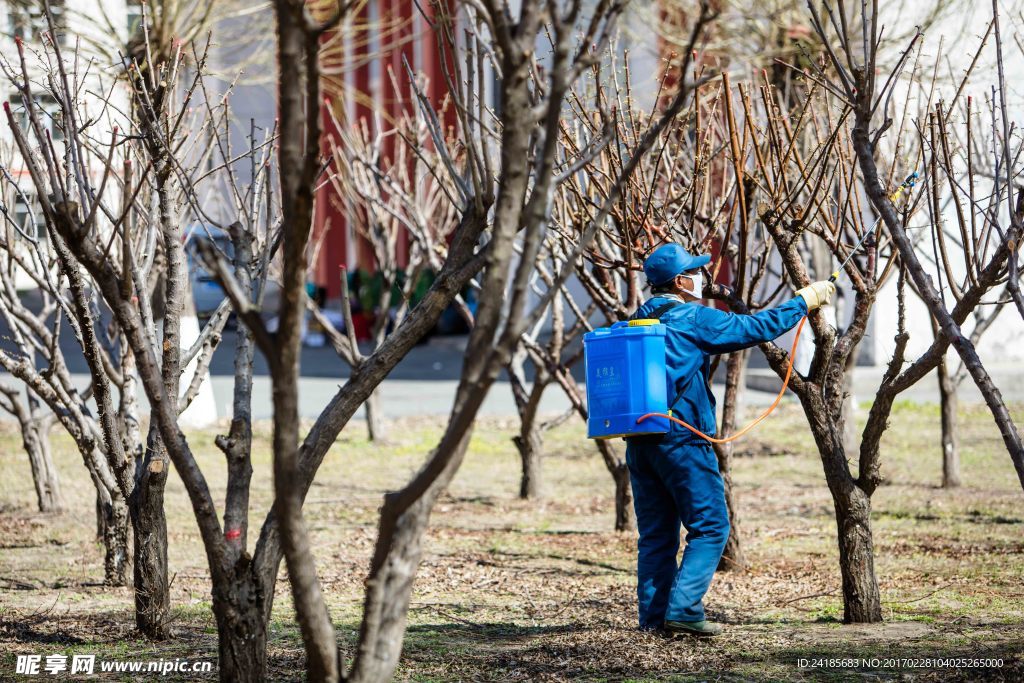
{"type": "Point", "coordinates": [1009, 377]}
{"type": "Point", "coordinates": [424, 382]}
{"type": "Point", "coordinates": [401, 397]}
{"type": "Point", "coordinates": [434, 397]}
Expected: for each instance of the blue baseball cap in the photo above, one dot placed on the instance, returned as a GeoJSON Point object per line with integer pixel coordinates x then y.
{"type": "Point", "coordinates": [670, 260]}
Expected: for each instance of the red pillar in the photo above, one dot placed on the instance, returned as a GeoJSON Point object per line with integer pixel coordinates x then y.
{"type": "Point", "coordinates": [435, 51]}
{"type": "Point", "coordinates": [363, 113]}
{"type": "Point", "coordinates": [399, 92]}
{"type": "Point", "coordinates": [401, 26]}
{"type": "Point", "coordinates": [330, 228]}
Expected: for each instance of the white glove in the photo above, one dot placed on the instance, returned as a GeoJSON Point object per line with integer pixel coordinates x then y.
{"type": "Point", "coordinates": [817, 293]}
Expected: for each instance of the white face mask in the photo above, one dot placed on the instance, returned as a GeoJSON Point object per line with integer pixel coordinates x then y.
{"type": "Point", "coordinates": [698, 285]}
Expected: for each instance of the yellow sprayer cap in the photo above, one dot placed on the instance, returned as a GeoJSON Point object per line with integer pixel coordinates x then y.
{"type": "Point", "coordinates": [643, 322]}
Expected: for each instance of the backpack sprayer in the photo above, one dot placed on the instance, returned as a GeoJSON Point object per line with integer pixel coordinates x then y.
{"type": "Point", "coordinates": [627, 382]}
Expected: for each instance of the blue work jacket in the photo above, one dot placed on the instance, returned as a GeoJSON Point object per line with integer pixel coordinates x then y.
{"type": "Point", "coordinates": [695, 333]}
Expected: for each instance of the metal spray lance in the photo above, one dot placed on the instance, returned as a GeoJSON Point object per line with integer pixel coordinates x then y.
{"type": "Point", "coordinates": [909, 183]}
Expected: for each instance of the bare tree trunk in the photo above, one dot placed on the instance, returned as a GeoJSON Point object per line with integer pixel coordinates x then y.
{"type": "Point", "coordinates": [625, 515]}
{"type": "Point", "coordinates": [44, 473]}
{"type": "Point", "coordinates": [146, 506]}
{"type": "Point", "coordinates": [462, 264]}
{"type": "Point", "coordinates": [35, 437]}
{"type": "Point", "coordinates": [152, 591]}
{"type": "Point", "coordinates": [948, 404]}
{"type": "Point", "coordinates": [238, 606]}
{"type": "Point", "coordinates": [862, 602]}
{"type": "Point", "coordinates": [149, 526]}
{"type": "Point", "coordinates": [100, 506]}
{"type": "Point", "coordinates": [299, 143]}
{"type": "Point", "coordinates": [113, 521]}
{"type": "Point", "coordinates": [530, 443]}
{"type": "Point", "coordinates": [732, 557]}
{"type": "Point", "coordinates": [375, 417]}
{"type": "Point", "coordinates": [389, 585]}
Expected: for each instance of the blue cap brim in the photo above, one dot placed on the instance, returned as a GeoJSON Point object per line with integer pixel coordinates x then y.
{"type": "Point", "coordinates": [698, 261]}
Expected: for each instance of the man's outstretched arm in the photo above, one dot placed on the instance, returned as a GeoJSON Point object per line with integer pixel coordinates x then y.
{"type": "Point", "coordinates": [718, 332]}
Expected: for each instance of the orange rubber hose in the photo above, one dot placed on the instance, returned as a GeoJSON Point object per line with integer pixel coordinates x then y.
{"type": "Point", "coordinates": [775, 403]}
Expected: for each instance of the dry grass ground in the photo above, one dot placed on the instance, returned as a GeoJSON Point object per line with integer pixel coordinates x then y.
{"type": "Point", "coordinates": [513, 590]}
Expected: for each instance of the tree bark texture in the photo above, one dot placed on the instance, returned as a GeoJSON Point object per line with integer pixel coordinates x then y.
{"type": "Point", "coordinates": [44, 473]}
{"type": "Point", "coordinates": [861, 598]}
{"type": "Point", "coordinates": [530, 444]}
{"type": "Point", "coordinates": [375, 429]}
{"type": "Point", "coordinates": [35, 437]}
{"type": "Point", "coordinates": [862, 602]}
{"type": "Point", "coordinates": [113, 518]}
{"type": "Point", "coordinates": [238, 606]}
{"type": "Point", "coordinates": [625, 515]}
{"type": "Point", "coordinates": [388, 588]}
{"type": "Point", "coordinates": [299, 141]}
{"type": "Point", "coordinates": [530, 441]}
{"type": "Point", "coordinates": [732, 557]}
{"type": "Point", "coordinates": [149, 527]}
{"type": "Point", "coordinates": [948, 404]}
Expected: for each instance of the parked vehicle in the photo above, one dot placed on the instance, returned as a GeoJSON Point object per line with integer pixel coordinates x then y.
{"type": "Point", "coordinates": [206, 292]}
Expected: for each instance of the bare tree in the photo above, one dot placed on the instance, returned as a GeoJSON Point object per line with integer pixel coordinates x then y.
{"type": "Point", "coordinates": [35, 424]}
{"type": "Point", "coordinates": [957, 172]}
{"type": "Point", "coordinates": [522, 192]}
{"type": "Point", "coordinates": [404, 214]}
{"type": "Point", "coordinates": [243, 584]}
{"type": "Point", "coordinates": [820, 194]}
{"type": "Point", "coordinates": [552, 353]}
{"type": "Point", "coordinates": [125, 227]}
{"type": "Point", "coordinates": [856, 81]}
{"type": "Point", "coordinates": [32, 255]}
{"type": "Point", "coordinates": [949, 386]}
{"type": "Point", "coordinates": [86, 231]}
{"type": "Point", "coordinates": [36, 336]}
{"type": "Point", "coordinates": [33, 420]}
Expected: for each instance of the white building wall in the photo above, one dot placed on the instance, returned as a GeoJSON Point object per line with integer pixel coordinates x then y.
{"type": "Point", "coordinates": [94, 33]}
{"type": "Point", "coordinates": [93, 75]}
{"type": "Point", "coordinates": [954, 41]}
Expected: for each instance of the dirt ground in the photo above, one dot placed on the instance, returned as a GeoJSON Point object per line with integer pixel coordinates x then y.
{"type": "Point", "coordinates": [512, 590]}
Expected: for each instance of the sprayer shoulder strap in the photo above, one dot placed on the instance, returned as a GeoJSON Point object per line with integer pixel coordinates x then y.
{"type": "Point", "coordinates": [659, 311]}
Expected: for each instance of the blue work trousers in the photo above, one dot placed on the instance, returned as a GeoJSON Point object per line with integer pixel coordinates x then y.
{"type": "Point", "coordinates": [676, 482]}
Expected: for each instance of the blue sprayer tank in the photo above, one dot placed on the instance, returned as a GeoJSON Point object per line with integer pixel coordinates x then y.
{"type": "Point", "coordinates": [626, 378]}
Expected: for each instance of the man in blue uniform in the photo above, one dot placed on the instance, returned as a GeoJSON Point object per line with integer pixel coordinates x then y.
{"type": "Point", "coordinates": [675, 476]}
